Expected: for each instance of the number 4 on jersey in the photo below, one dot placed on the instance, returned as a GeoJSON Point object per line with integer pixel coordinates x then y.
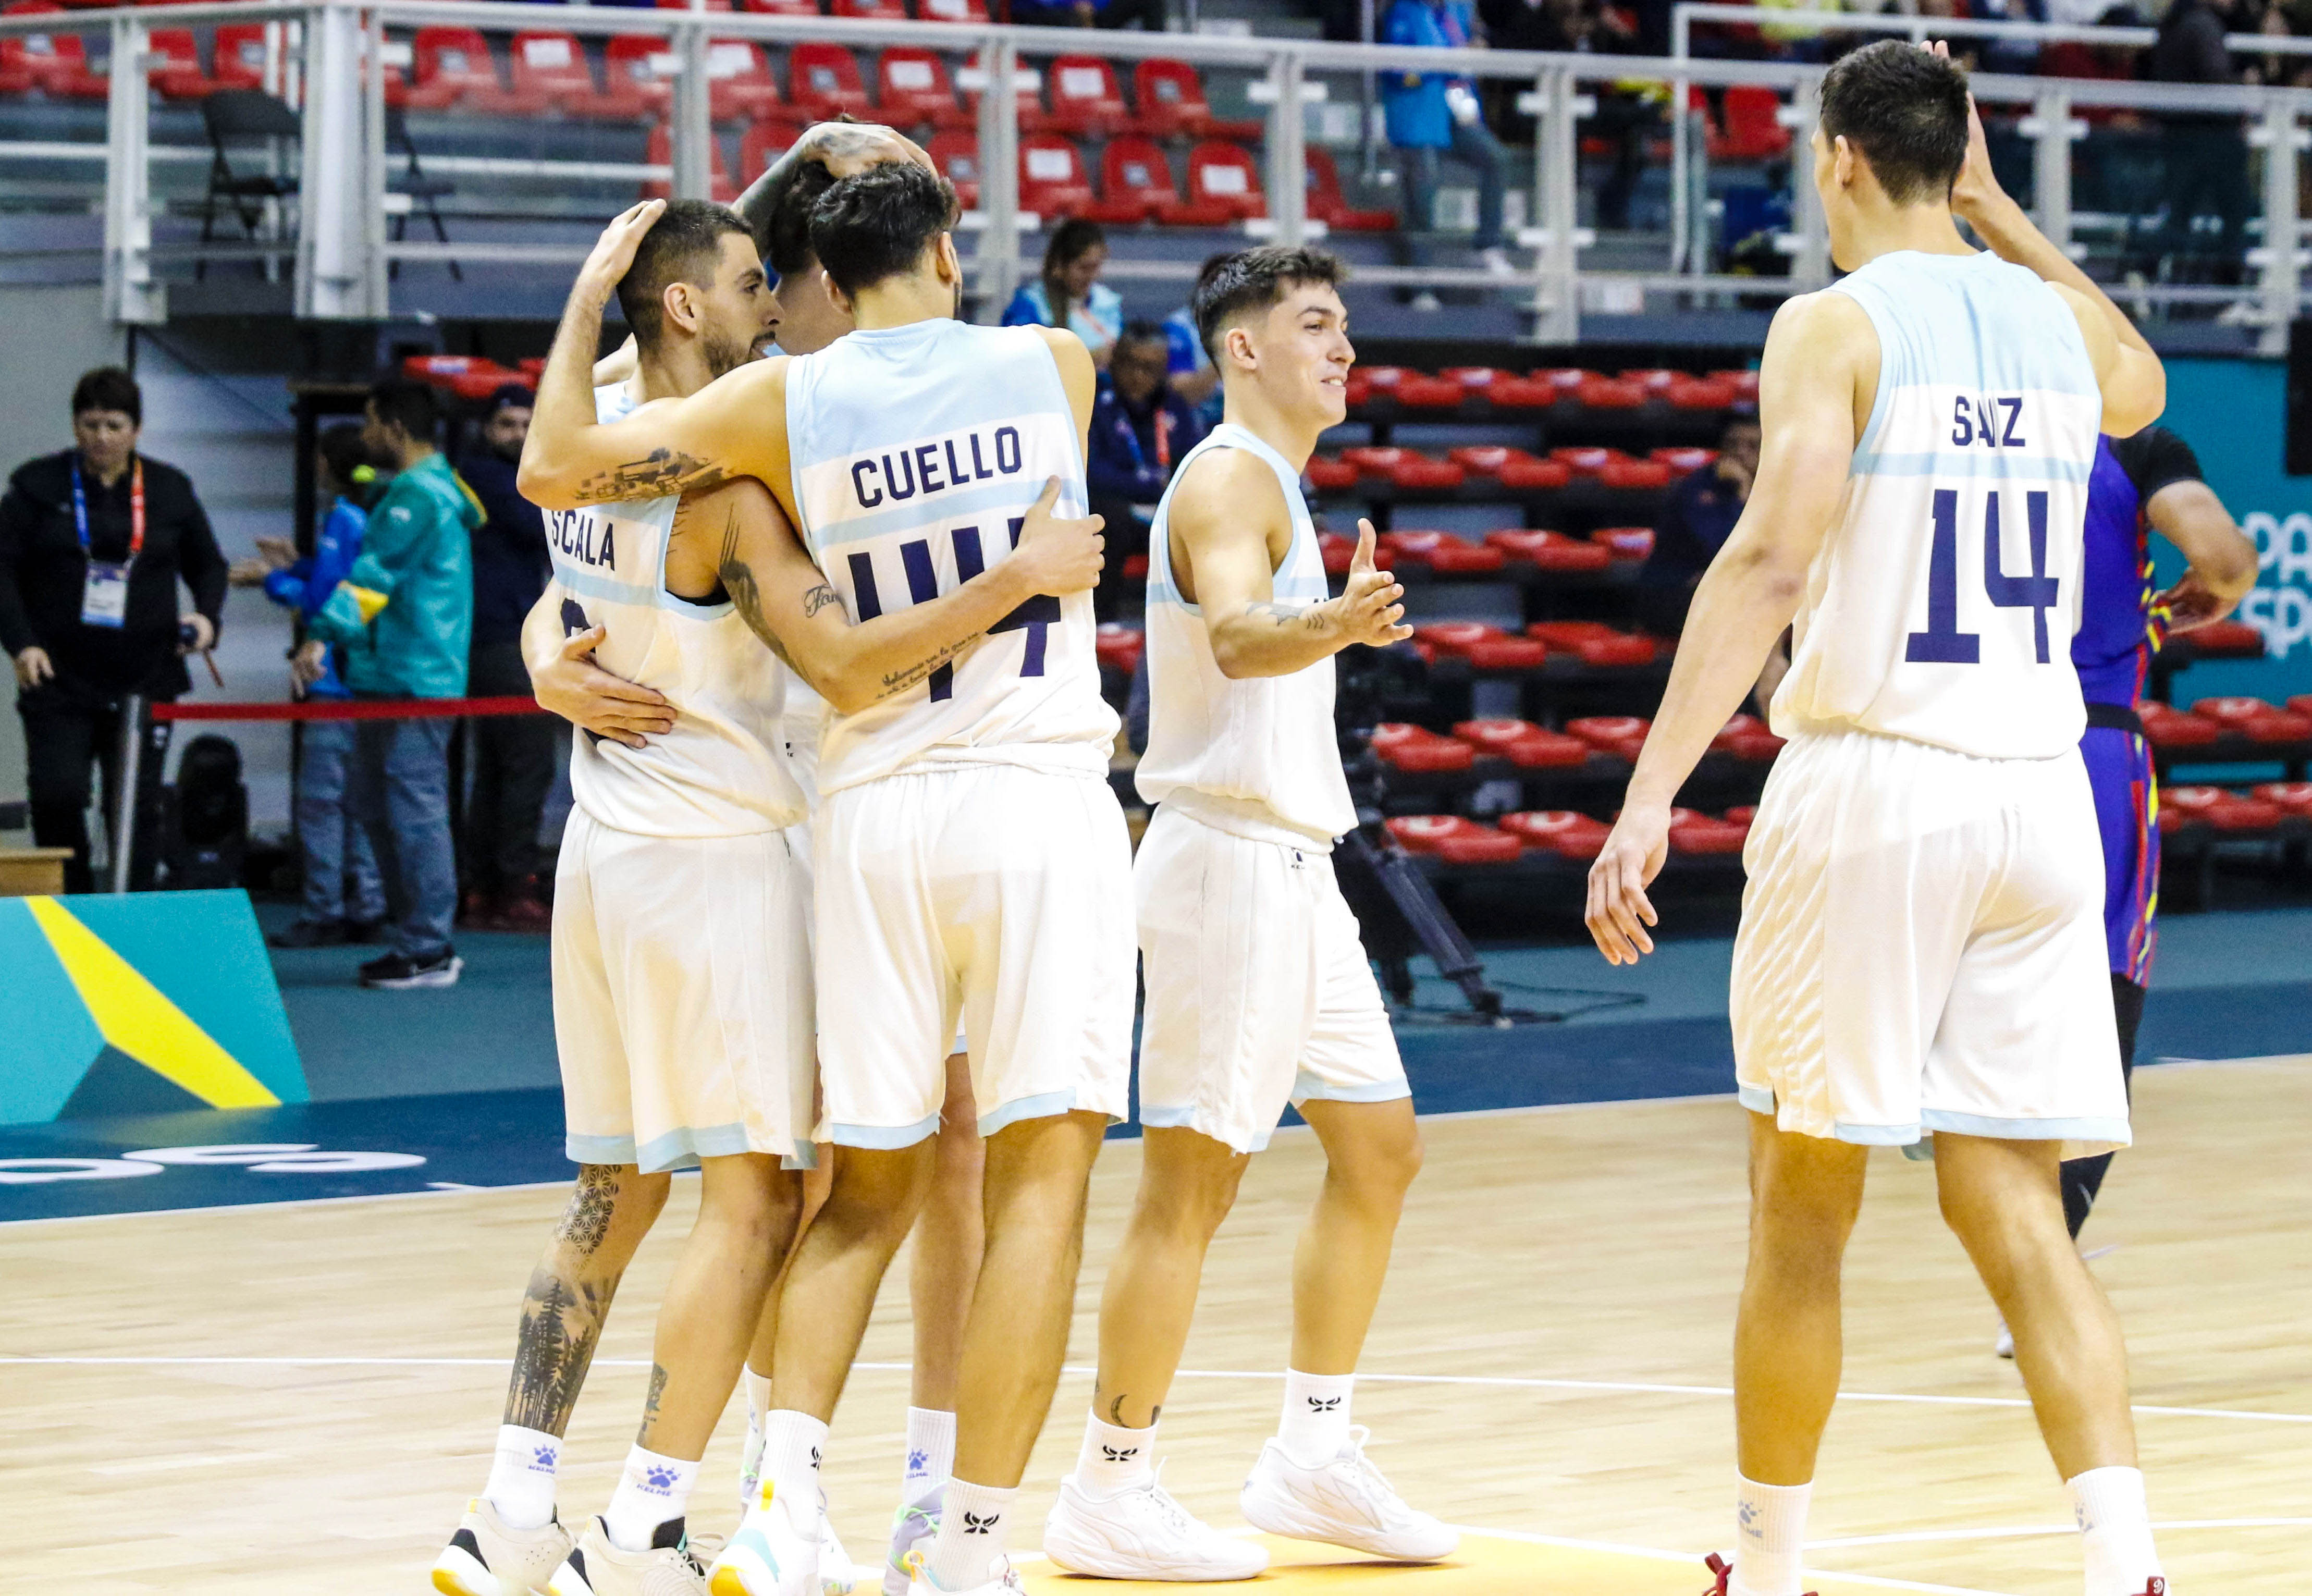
{"type": "Point", "coordinates": [1942, 643]}
{"type": "Point", "coordinates": [1035, 615]}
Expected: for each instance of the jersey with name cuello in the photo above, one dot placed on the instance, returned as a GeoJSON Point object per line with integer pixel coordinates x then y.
{"type": "Point", "coordinates": [1263, 747]}
{"type": "Point", "coordinates": [917, 451]}
{"type": "Point", "coordinates": [716, 774]}
{"type": "Point", "coordinates": [1942, 605]}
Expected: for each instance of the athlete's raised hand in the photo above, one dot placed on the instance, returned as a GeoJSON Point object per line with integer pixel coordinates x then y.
{"type": "Point", "coordinates": [1618, 911]}
{"type": "Point", "coordinates": [1369, 606]}
{"type": "Point", "coordinates": [572, 686]}
{"type": "Point", "coordinates": [847, 149]}
{"type": "Point", "coordinates": [1057, 555]}
{"type": "Point", "coordinates": [614, 251]}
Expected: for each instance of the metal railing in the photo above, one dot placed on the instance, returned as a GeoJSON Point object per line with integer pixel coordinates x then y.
{"type": "Point", "coordinates": [333, 54]}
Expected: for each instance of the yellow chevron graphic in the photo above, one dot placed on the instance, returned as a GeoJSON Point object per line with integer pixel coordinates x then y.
{"type": "Point", "coordinates": [136, 1018]}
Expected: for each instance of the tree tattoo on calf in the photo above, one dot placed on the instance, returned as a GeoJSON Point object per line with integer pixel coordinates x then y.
{"type": "Point", "coordinates": [563, 1309]}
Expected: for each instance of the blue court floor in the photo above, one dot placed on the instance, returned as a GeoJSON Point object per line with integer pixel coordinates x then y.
{"type": "Point", "coordinates": [420, 1092]}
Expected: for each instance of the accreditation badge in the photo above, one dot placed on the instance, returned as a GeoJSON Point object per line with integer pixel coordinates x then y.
{"type": "Point", "coordinates": [105, 596]}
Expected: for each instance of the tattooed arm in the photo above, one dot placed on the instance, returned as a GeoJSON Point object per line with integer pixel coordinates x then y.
{"type": "Point", "coordinates": [732, 427]}
{"type": "Point", "coordinates": [1231, 529]}
{"type": "Point", "coordinates": [760, 561]}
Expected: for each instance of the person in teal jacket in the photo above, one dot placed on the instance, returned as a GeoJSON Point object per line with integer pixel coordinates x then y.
{"type": "Point", "coordinates": [1431, 115]}
{"type": "Point", "coordinates": [399, 621]}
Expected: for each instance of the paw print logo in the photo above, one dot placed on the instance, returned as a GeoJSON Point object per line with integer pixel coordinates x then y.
{"type": "Point", "coordinates": [546, 1458]}
{"type": "Point", "coordinates": [1120, 1454]}
{"type": "Point", "coordinates": [1748, 1516]}
{"type": "Point", "coordinates": [658, 1478]}
{"type": "Point", "coordinates": [919, 1461]}
{"type": "Point", "coordinates": [1323, 1404]}
{"type": "Point", "coordinates": [973, 1524]}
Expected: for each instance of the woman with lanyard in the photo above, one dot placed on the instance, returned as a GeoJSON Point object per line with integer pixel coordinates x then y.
{"type": "Point", "coordinates": [1069, 293]}
{"type": "Point", "coordinates": [92, 544]}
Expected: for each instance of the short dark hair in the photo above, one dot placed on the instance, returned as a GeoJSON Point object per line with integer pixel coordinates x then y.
{"type": "Point", "coordinates": [1141, 330]}
{"type": "Point", "coordinates": [785, 233]}
{"type": "Point", "coordinates": [516, 396]}
{"type": "Point", "coordinates": [344, 452]}
{"type": "Point", "coordinates": [1254, 280]}
{"type": "Point", "coordinates": [1906, 110]}
{"type": "Point", "coordinates": [684, 245]}
{"type": "Point", "coordinates": [109, 388]}
{"type": "Point", "coordinates": [877, 224]}
{"type": "Point", "coordinates": [406, 403]}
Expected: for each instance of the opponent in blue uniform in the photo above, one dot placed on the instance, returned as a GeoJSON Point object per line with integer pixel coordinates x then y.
{"type": "Point", "coordinates": [2147, 482]}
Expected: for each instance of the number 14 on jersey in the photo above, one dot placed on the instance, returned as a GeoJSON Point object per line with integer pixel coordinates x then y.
{"type": "Point", "coordinates": [1942, 643]}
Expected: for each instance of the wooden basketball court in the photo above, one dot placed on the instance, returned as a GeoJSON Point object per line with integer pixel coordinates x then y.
{"type": "Point", "coordinates": [298, 1399]}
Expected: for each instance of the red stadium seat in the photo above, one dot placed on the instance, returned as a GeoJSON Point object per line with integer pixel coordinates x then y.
{"type": "Point", "coordinates": [1652, 379]}
{"type": "Point", "coordinates": [739, 81]}
{"type": "Point", "coordinates": [1135, 181]}
{"type": "Point", "coordinates": [1084, 100]}
{"type": "Point", "coordinates": [1635, 476]}
{"type": "Point", "coordinates": [1754, 131]}
{"type": "Point", "coordinates": [1683, 460]}
{"type": "Point", "coordinates": [637, 77]}
{"type": "Point", "coordinates": [782, 8]}
{"type": "Point", "coordinates": [54, 64]}
{"type": "Point", "coordinates": [2255, 720]}
{"type": "Point", "coordinates": [1171, 104]}
{"type": "Point", "coordinates": [913, 91]}
{"type": "Point", "coordinates": [1586, 460]}
{"type": "Point", "coordinates": [1746, 737]}
{"type": "Point", "coordinates": [1420, 834]}
{"type": "Point", "coordinates": [237, 56]}
{"type": "Point", "coordinates": [823, 82]}
{"type": "Point", "coordinates": [453, 66]}
{"type": "Point", "coordinates": [1052, 178]}
{"type": "Point", "coordinates": [1330, 476]}
{"type": "Point", "coordinates": [685, 4]}
{"type": "Point", "coordinates": [1609, 393]}
{"type": "Point", "coordinates": [1704, 835]}
{"type": "Point", "coordinates": [1223, 186]}
{"type": "Point", "coordinates": [2232, 639]}
{"type": "Point", "coordinates": [1743, 814]}
{"type": "Point", "coordinates": [871, 10]}
{"type": "Point", "coordinates": [2294, 796]}
{"type": "Point", "coordinates": [1493, 735]}
{"type": "Point", "coordinates": [1444, 554]}
{"type": "Point", "coordinates": [659, 152]}
{"type": "Point", "coordinates": [1482, 846]}
{"type": "Point", "coordinates": [177, 74]}
{"type": "Point", "coordinates": [1338, 551]}
{"type": "Point", "coordinates": [1704, 393]}
{"type": "Point", "coordinates": [955, 154]}
{"type": "Point", "coordinates": [1367, 381]}
{"type": "Point", "coordinates": [549, 71]}
{"type": "Point", "coordinates": [1487, 460]}
{"type": "Point", "coordinates": [1376, 459]}
{"type": "Point", "coordinates": [1551, 551]}
{"type": "Point", "coordinates": [1594, 644]}
{"type": "Point", "coordinates": [2165, 727]}
{"type": "Point", "coordinates": [765, 142]}
{"type": "Point", "coordinates": [1118, 645]}
{"type": "Point", "coordinates": [1562, 831]}
{"type": "Point", "coordinates": [467, 376]}
{"type": "Point", "coordinates": [1438, 754]}
{"type": "Point", "coordinates": [1625, 542]}
{"type": "Point", "coordinates": [1566, 379]}
{"type": "Point", "coordinates": [1395, 734]}
{"type": "Point", "coordinates": [2190, 800]}
{"type": "Point", "coordinates": [2234, 813]}
{"type": "Point", "coordinates": [1405, 467]}
{"type": "Point", "coordinates": [1622, 736]}
{"type": "Point", "coordinates": [1418, 393]}
{"type": "Point", "coordinates": [1326, 203]}
{"type": "Point", "coordinates": [951, 11]}
{"type": "Point", "coordinates": [1535, 475]}
{"type": "Point", "coordinates": [1446, 637]}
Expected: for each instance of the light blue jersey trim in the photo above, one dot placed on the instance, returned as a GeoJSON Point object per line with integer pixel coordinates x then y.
{"type": "Point", "coordinates": [1043, 1105]}
{"type": "Point", "coordinates": [1308, 1087]}
{"type": "Point", "coordinates": [1300, 579]}
{"type": "Point", "coordinates": [2029, 1130]}
{"type": "Point", "coordinates": [1756, 1098]}
{"type": "Point", "coordinates": [586, 584]}
{"type": "Point", "coordinates": [1163, 1118]}
{"type": "Point", "coordinates": [676, 1150]}
{"type": "Point", "coordinates": [604, 1150]}
{"type": "Point", "coordinates": [881, 1138]}
{"type": "Point", "coordinates": [1877, 1135]}
{"type": "Point", "coordinates": [1946, 464]}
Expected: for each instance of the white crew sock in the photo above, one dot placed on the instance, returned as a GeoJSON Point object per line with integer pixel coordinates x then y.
{"type": "Point", "coordinates": [1114, 1458]}
{"type": "Point", "coordinates": [791, 1443]}
{"type": "Point", "coordinates": [654, 1490]}
{"type": "Point", "coordinates": [970, 1535]}
{"type": "Point", "coordinates": [2115, 1530]}
{"type": "Point", "coordinates": [1315, 1428]}
{"type": "Point", "coordinates": [758, 1397]}
{"type": "Point", "coordinates": [522, 1477]}
{"type": "Point", "coordinates": [1770, 1539]}
{"type": "Point", "coordinates": [930, 1452]}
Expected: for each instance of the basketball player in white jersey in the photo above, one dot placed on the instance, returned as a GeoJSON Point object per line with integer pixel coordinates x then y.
{"type": "Point", "coordinates": [682, 984]}
{"type": "Point", "coordinates": [971, 855]}
{"type": "Point", "coordinates": [1259, 989]}
{"type": "Point", "coordinates": [1922, 940]}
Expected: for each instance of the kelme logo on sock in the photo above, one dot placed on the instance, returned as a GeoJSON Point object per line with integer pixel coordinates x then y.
{"type": "Point", "coordinates": [544, 1458]}
{"type": "Point", "coordinates": [814, 1456]}
{"type": "Point", "coordinates": [973, 1524]}
{"type": "Point", "coordinates": [919, 1463]}
{"type": "Point", "coordinates": [659, 1479]}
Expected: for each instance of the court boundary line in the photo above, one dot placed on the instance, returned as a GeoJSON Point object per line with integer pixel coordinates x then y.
{"type": "Point", "coordinates": [2262, 1059]}
{"type": "Point", "coordinates": [1087, 1371]}
{"type": "Point", "coordinates": [2022, 1531]}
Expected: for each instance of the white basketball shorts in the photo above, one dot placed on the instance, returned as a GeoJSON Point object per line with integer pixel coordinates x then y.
{"type": "Point", "coordinates": [1259, 991]}
{"type": "Point", "coordinates": [1922, 948]}
{"type": "Point", "coordinates": [682, 996]}
{"type": "Point", "coordinates": [994, 892]}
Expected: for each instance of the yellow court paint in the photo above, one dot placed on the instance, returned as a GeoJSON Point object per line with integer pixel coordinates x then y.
{"type": "Point", "coordinates": [1485, 1566]}
{"type": "Point", "coordinates": [135, 1017]}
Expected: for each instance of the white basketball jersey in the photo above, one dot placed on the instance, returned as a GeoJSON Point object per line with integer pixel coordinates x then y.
{"type": "Point", "coordinates": [917, 451]}
{"type": "Point", "coordinates": [718, 772]}
{"type": "Point", "coordinates": [1256, 755]}
{"type": "Point", "coordinates": [1942, 604]}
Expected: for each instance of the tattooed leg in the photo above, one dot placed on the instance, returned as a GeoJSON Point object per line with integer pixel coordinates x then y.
{"type": "Point", "coordinates": [570, 1291]}
{"type": "Point", "coordinates": [1188, 1184]}
{"type": "Point", "coordinates": [747, 1212]}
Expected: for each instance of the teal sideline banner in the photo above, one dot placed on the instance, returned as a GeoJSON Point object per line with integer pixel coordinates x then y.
{"type": "Point", "coordinates": [145, 1003]}
{"type": "Point", "coordinates": [2233, 413]}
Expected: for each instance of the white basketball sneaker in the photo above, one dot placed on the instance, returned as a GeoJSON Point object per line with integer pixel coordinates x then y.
{"type": "Point", "coordinates": [836, 1577]}
{"type": "Point", "coordinates": [598, 1566]}
{"type": "Point", "coordinates": [1345, 1501]}
{"type": "Point", "coordinates": [1000, 1580]}
{"type": "Point", "coordinates": [1141, 1533]}
{"type": "Point", "coordinates": [770, 1554]}
{"type": "Point", "coordinates": [912, 1526]}
{"type": "Point", "coordinates": [488, 1556]}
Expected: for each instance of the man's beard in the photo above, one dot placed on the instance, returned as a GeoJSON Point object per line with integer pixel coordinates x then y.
{"type": "Point", "coordinates": [723, 354]}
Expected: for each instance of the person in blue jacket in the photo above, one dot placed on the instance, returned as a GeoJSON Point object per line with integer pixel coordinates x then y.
{"type": "Point", "coordinates": [1139, 428]}
{"type": "Point", "coordinates": [345, 900]}
{"type": "Point", "coordinates": [1433, 114]}
{"type": "Point", "coordinates": [1068, 294]}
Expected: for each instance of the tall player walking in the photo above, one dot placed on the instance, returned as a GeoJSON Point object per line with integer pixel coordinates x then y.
{"type": "Point", "coordinates": [1921, 942]}
{"type": "Point", "coordinates": [1258, 988]}
{"type": "Point", "coordinates": [971, 855]}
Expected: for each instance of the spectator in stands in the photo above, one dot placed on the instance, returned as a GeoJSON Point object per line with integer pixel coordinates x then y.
{"type": "Point", "coordinates": [1140, 427]}
{"type": "Point", "coordinates": [403, 617]}
{"type": "Point", "coordinates": [512, 755]}
{"type": "Point", "coordinates": [93, 542]}
{"type": "Point", "coordinates": [2204, 158]}
{"type": "Point", "coordinates": [2019, 56]}
{"type": "Point", "coordinates": [1626, 118]}
{"type": "Point", "coordinates": [1432, 114]}
{"type": "Point", "coordinates": [1069, 293]}
{"type": "Point", "coordinates": [345, 901]}
{"type": "Point", "coordinates": [1190, 370]}
{"type": "Point", "coordinates": [1091, 13]}
{"type": "Point", "coordinates": [1695, 522]}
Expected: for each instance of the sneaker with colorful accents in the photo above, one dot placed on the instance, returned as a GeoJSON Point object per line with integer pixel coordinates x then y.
{"type": "Point", "coordinates": [488, 1556]}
